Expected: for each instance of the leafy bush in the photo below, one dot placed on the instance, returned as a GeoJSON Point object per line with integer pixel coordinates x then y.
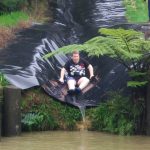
{"type": "Point", "coordinates": [119, 115]}
{"type": "Point", "coordinates": [40, 112]}
{"type": "Point", "coordinates": [38, 121]}
{"type": "Point", "coordinates": [40, 118]}
{"type": "Point", "coordinates": [136, 10]}
{"type": "Point", "coordinates": [31, 120]}
{"type": "Point", "coordinates": [11, 5]}
{"type": "Point", "coordinates": [67, 116]}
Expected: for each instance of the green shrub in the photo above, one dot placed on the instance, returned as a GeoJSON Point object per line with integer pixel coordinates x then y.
{"type": "Point", "coordinates": [40, 118]}
{"type": "Point", "coordinates": [31, 120]}
{"type": "Point", "coordinates": [38, 121]}
{"type": "Point", "coordinates": [68, 116]}
{"type": "Point", "coordinates": [54, 114]}
{"type": "Point", "coordinates": [11, 5]}
{"type": "Point", "coordinates": [118, 115]}
{"type": "Point", "coordinates": [136, 10]}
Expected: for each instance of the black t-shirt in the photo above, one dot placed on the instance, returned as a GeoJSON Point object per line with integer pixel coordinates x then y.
{"type": "Point", "coordinates": [76, 70]}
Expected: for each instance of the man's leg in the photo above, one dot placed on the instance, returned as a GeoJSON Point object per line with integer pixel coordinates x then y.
{"type": "Point", "coordinates": [83, 82]}
{"type": "Point", "coordinates": [71, 85]}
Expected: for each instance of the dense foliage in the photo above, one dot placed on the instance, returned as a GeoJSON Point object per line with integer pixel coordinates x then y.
{"type": "Point", "coordinates": [40, 112]}
{"type": "Point", "coordinates": [119, 115]}
{"type": "Point", "coordinates": [11, 5]}
{"type": "Point", "coordinates": [136, 10]}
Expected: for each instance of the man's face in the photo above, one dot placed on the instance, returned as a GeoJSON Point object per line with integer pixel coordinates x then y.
{"type": "Point", "coordinates": [75, 58]}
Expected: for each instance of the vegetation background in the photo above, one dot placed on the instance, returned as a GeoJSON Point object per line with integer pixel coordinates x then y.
{"type": "Point", "coordinates": [119, 115]}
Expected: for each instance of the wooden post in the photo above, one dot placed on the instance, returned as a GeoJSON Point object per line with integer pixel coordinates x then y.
{"type": "Point", "coordinates": [11, 111]}
{"type": "Point", "coordinates": [1, 100]}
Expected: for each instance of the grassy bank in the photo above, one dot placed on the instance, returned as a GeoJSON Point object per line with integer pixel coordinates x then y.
{"type": "Point", "coordinates": [13, 19]}
{"type": "Point", "coordinates": [10, 24]}
{"type": "Point", "coordinates": [136, 10]}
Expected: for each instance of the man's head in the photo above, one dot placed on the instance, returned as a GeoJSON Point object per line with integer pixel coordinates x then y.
{"type": "Point", "coordinates": [75, 56]}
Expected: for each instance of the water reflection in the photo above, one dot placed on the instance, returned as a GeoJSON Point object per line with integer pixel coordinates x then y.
{"type": "Point", "coordinates": [84, 140]}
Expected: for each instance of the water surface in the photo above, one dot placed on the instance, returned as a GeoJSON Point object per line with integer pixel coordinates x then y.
{"type": "Point", "coordinates": [83, 140]}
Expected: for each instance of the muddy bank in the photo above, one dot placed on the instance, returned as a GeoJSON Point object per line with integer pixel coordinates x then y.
{"type": "Point", "coordinates": [38, 13]}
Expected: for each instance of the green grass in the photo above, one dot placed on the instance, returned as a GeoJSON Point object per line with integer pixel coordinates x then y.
{"type": "Point", "coordinates": [3, 81]}
{"type": "Point", "coordinates": [137, 11]}
{"type": "Point", "coordinates": [12, 19]}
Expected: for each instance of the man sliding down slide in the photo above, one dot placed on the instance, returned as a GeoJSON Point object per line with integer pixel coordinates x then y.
{"type": "Point", "coordinates": [76, 73]}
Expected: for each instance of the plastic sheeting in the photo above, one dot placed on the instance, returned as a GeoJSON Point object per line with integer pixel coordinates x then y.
{"type": "Point", "coordinates": [22, 61]}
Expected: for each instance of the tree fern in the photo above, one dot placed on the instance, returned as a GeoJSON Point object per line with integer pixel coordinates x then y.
{"type": "Point", "coordinates": [128, 47]}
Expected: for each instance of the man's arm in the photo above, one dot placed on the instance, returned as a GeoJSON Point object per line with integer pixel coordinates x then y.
{"type": "Point", "coordinates": [91, 70]}
{"type": "Point", "coordinates": [62, 74]}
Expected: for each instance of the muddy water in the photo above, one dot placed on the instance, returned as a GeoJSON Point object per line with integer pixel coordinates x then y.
{"type": "Point", "coordinates": [74, 141]}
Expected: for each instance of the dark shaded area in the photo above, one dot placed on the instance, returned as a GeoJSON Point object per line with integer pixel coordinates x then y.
{"type": "Point", "coordinates": [75, 21]}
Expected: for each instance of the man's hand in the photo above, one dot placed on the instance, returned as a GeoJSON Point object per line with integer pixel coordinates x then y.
{"type": "Point", "coordinates": [62, 74]}
{"type": "Point", "coordinates": [93, 78]}
{"type": "Point", "coordinates": [90, 67]}
{"type": "Point", "coordinates": [61, 80]}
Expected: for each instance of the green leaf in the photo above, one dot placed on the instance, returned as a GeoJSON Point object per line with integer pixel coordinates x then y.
{"type": "Point", "coordinates": [136, 73]}
{"type": "Point", "coordinates": [136, 83]}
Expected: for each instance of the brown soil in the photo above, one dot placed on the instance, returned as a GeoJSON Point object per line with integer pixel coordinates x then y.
{"type": "Point", "coordinates": [7, 34]}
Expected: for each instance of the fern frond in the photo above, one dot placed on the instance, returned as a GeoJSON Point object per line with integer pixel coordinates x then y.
{"type": "Point", "coordinates": [136, 83]}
